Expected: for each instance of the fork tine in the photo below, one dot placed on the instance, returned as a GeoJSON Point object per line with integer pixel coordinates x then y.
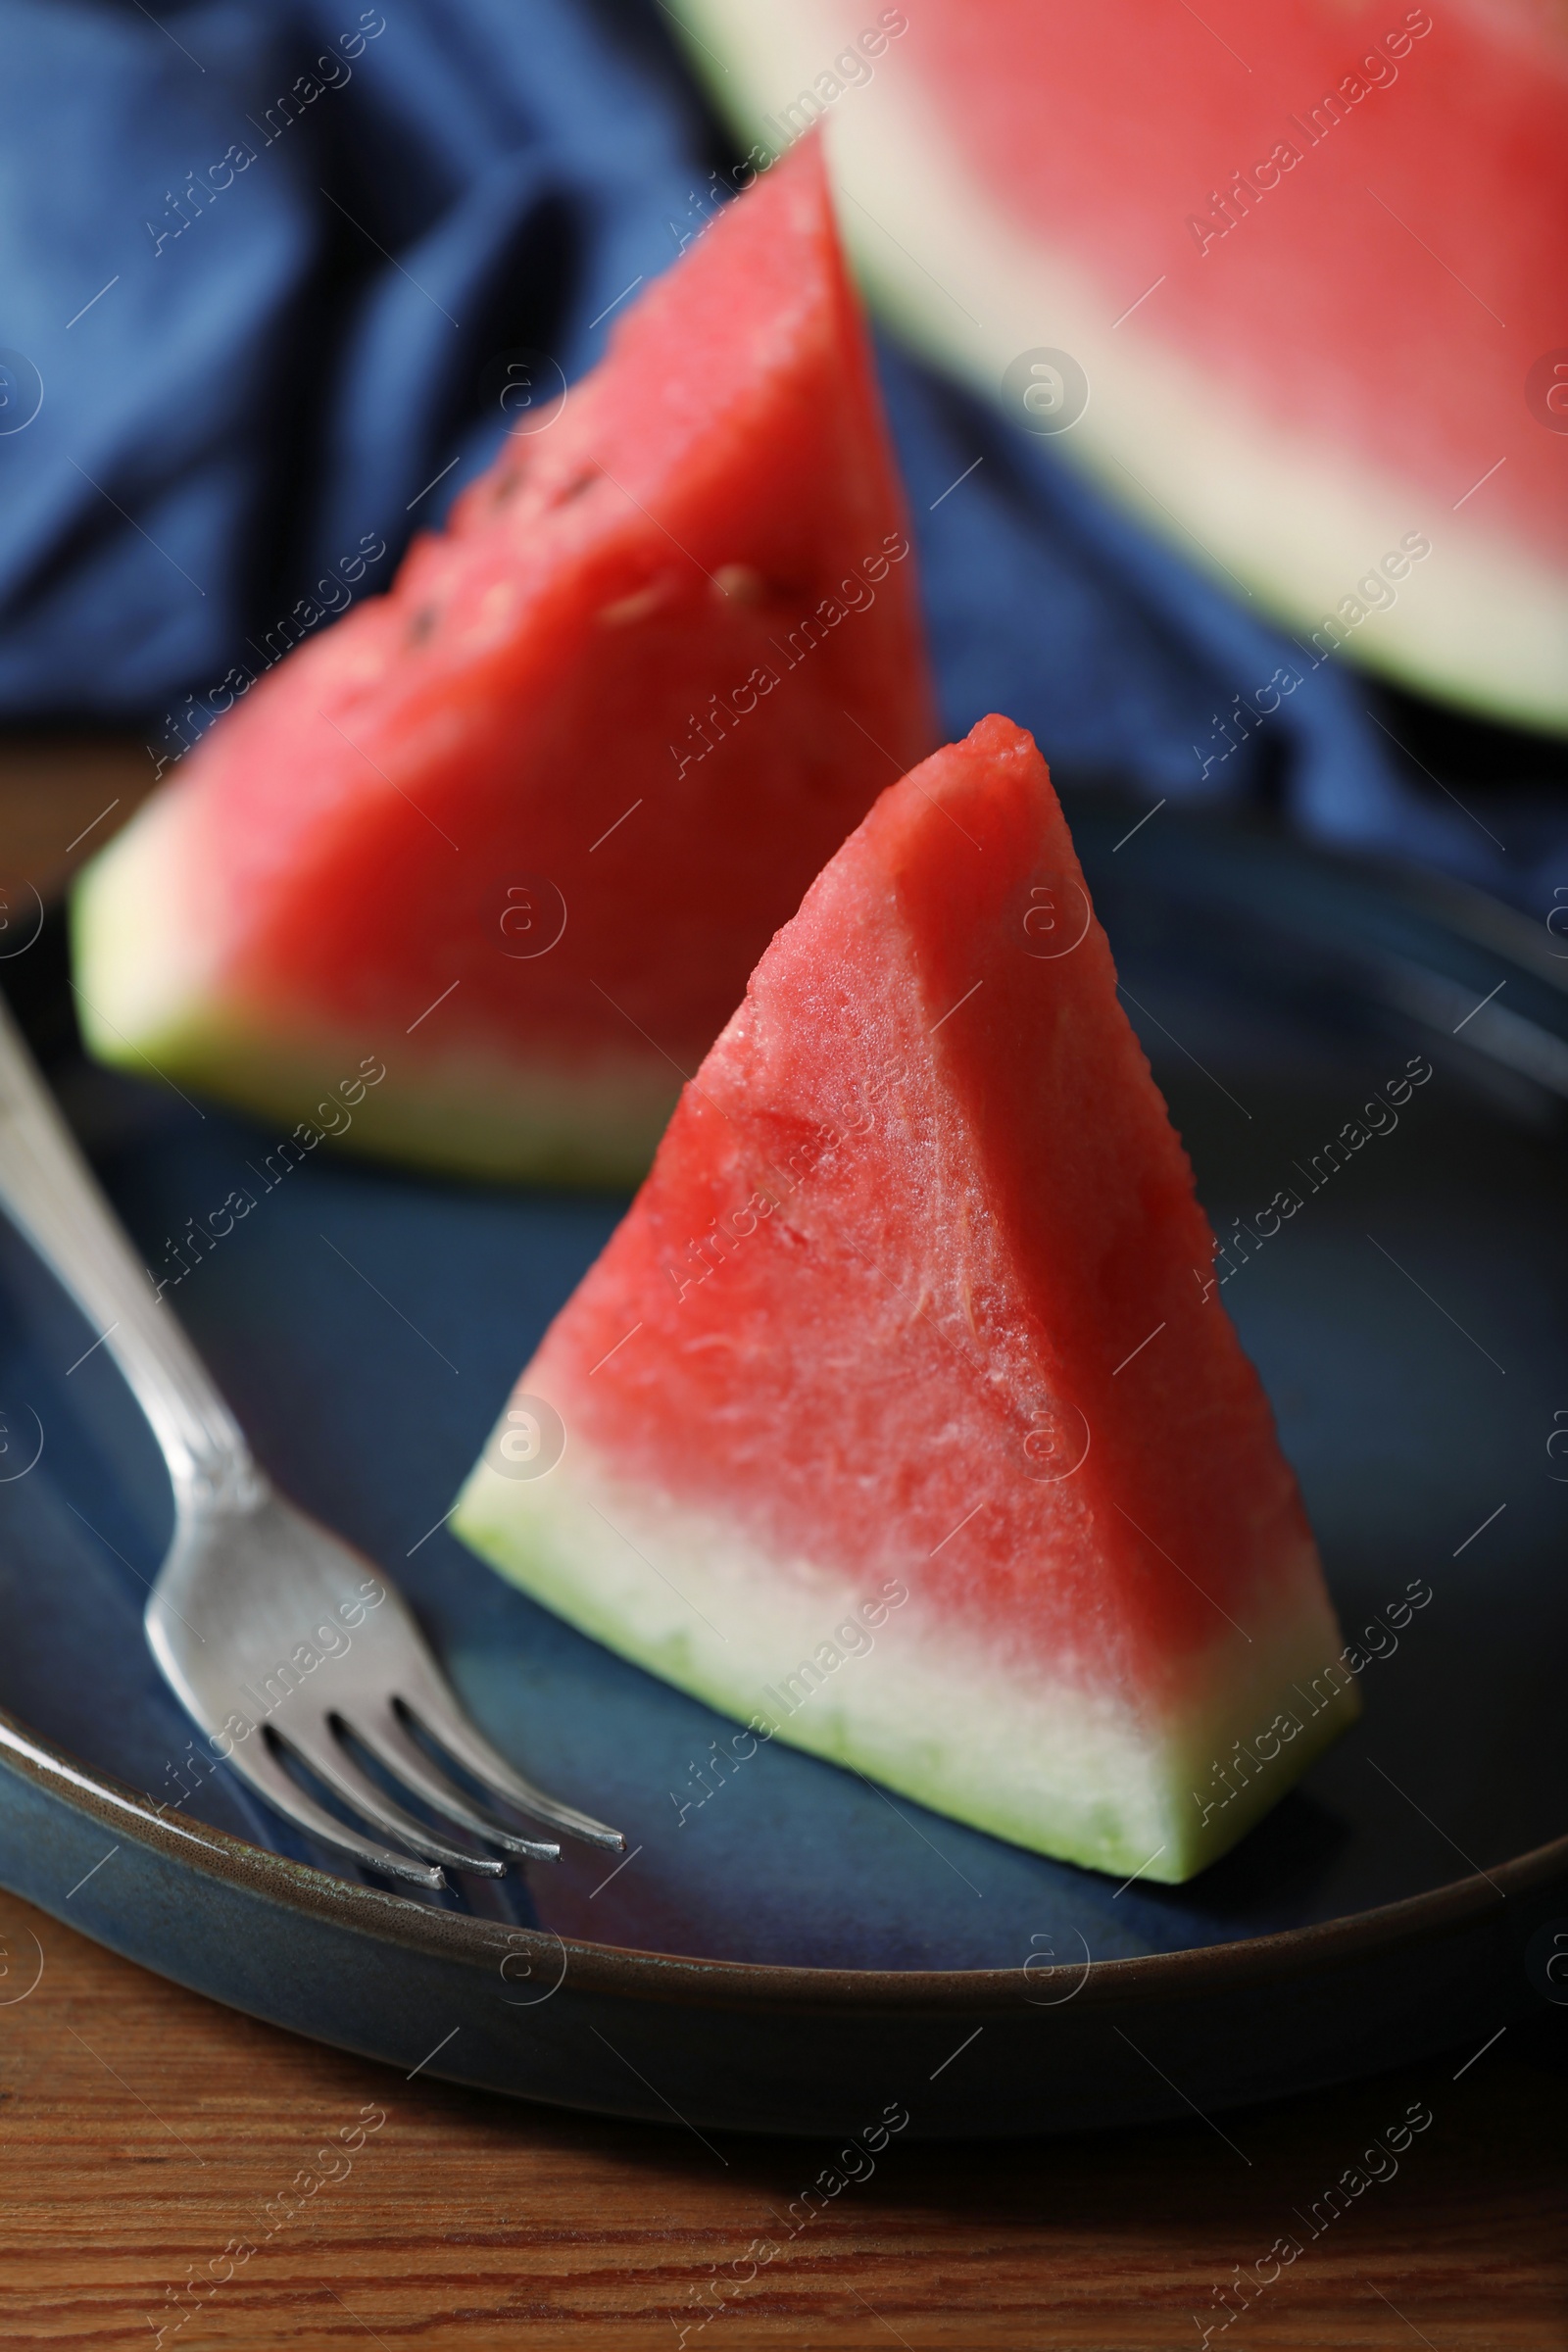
{"type": "Point", "coordinates": [317, 1748]}
{"type": "Point", "coordinates": [271, 1784]}
{"type": "Point", "coordinates": [427, 1699]}
{"type": "Point", "coordinates": [384, 1736]}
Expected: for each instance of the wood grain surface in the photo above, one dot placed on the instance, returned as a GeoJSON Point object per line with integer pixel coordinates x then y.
{"type": "Point", "coordinates": [143, 2130]}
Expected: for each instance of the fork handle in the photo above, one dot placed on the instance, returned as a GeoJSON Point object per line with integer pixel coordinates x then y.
{"type": "Point", "coordinates": [49, 1192]}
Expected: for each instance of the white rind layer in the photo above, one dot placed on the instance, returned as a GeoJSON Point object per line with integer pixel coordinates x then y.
{"type": "Point", "coordinates": [141, 948]}
{"type": "Point", "coordinates": [913, 1701]}
{"type": "Point", "coordinates": [138, 941]}
{"type": "Point", "coordinates": [1482, 621]}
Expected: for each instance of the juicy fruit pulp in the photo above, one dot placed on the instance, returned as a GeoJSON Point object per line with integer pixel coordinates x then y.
{"type": "Point", "coordinates": [522, 827]}
{"type": "Point", "coordinates": [1255, 231]}
{"type": "Point", "coordinates": [910, 1316]}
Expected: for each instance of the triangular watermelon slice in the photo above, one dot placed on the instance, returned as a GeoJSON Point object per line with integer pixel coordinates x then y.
{"type": "Point", "coordinates": [521, 828]}
{"type": "Point", "coordinates": [900, 1416]}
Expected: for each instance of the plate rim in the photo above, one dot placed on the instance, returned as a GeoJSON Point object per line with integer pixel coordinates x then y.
{"type": "Point", "coordinates": [679, 1979]}
{"type": "Point", "coordinates": [309, 1895]}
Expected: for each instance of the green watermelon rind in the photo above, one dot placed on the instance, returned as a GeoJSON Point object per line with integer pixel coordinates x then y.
{"type": "Point", "coordinates": [490, 1122]}
{"type": "Point", "coordinates": [593, 1128]}
{"type": "Point", "coordinates": [925, 1714]}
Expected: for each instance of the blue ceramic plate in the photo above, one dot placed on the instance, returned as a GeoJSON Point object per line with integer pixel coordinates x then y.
{"type": "Point", "coordinates": [799, 1952]}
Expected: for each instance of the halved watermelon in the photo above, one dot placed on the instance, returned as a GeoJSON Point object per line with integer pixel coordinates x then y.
{"type": "Point", "coordinates": [1309, 258]}
{"type": "Point", "coordinates": [521, 828]}
{"type": "Point", "coordinates": [900, 1415]}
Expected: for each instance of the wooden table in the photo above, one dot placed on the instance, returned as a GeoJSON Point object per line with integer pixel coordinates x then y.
{"type": "Point", "coordinates": [142, 2129]}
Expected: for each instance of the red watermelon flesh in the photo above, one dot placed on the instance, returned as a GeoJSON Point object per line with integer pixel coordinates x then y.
{"type": "Point", "coordinates": [1310, 259]}
{"type": "Point", "coordinates": [913, 1315]}
{"type": "Point", "coordinates": [521, 828]}
{"type": "Point", "coordinates": [1120, 158]}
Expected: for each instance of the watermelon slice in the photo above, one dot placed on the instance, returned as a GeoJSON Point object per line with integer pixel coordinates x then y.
{"type": "Point", "coordinates": [1309, 259]}
{"type": "Point", "coordinates": [900, 1416]}
{"type": "Point", "coordinates": [520, 829]}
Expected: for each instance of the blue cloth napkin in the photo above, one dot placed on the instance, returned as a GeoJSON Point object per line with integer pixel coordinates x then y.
{"type": "Point", "coordinates": [265, 261]}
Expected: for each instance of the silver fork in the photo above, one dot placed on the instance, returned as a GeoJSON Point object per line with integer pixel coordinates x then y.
{"type": "Point", "coordinates": [267, 1626]}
